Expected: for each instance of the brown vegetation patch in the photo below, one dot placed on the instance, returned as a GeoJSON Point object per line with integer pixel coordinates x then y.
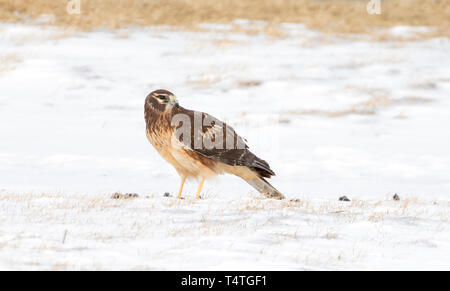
{"type": "Point", "coordinates": [344, 16]}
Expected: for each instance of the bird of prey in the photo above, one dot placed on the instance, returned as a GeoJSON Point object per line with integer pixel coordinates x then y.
{"type": "Point", "coordinates": [200, 146]}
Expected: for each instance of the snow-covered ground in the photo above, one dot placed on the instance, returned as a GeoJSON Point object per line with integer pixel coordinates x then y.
{"type": "Point", "coordinates": [333, 116]}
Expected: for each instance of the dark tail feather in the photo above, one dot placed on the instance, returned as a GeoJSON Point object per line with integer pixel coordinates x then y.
{"type": "Point", "coordinates": [265, 188]}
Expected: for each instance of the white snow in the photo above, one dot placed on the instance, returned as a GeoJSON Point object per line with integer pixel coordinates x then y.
{"type": "Point", "coordinates": [333, 116]}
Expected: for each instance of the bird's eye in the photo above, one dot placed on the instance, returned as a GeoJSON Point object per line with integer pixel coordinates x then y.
{"type": "Point", "coordinates": [161, 97]}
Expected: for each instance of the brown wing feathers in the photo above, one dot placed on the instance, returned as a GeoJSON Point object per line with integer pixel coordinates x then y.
{"type": "Point", "coordinates": [239, 155]}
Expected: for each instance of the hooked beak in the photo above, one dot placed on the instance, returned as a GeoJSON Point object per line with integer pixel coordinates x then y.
{"type": "Point", "coordinates": [173, 101]}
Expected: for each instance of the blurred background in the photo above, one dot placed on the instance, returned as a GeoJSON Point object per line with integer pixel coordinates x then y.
{"type": "Point", "coordinates": [342, 98]}
{"type": "Point", "coordinates": [339, 96]}
{"type": "Point", "coordinates": [347, 16]}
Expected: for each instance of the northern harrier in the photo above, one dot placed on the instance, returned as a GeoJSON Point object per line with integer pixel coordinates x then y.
{"type": "Point", "coordinates": [200, 146]}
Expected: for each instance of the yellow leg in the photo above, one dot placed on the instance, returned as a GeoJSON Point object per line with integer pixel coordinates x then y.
{"type": "Point", "coordinates": [200, 186]}
{"type": "Point", "coordinates": [183, 179]}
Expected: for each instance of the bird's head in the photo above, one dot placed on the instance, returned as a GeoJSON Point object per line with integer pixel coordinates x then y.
{"type": "Point", "coordinates": [161, 100]}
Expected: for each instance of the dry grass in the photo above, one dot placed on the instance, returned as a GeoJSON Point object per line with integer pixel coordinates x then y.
{"type": "Point", "coordinates": [8, 62]}
{"type": "Point", "coordinates": [347, 16]}
{"type": "Point", "coordinates": [315, 232]}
